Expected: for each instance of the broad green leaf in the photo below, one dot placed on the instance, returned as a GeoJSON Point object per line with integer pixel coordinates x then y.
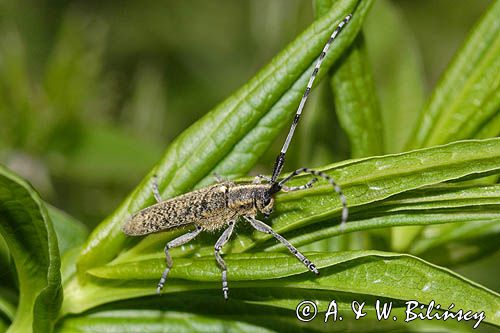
{"type": "Point", "coordinates": [230, 138]}
{"type": "Point", "coordinates": [28, 231]}
{"type": "Point", "coordinates": [395, 59]}
{"type": "Point", "coordinates": [358, 273]}
{"type": "Point", "coordinates": [356, 103]}
{"type": "Point", "coordinates": [466, 97]}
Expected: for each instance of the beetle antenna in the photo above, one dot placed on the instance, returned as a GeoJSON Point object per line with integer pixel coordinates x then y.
{"type": "Point", "coordinates": [280, 160]}
{"type": "Point", "coordinates": [321, 174]}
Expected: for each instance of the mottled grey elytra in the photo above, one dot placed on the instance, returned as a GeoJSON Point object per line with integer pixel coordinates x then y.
{"type": "Point", "coordinates": [221, 205]}
{"type": "Point", "coordinates": [210, 207]}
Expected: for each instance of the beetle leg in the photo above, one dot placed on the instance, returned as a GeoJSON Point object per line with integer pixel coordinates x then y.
{"type": "Point", "coordinates": [259, 178]}
{"type": "Point", "coordinates": [218, 246]}
{"type": "Point", "coordinates": [156, 191]}
{"type": "Point", "coordinates": [174, 243]}
{"type": "Point", "coordinates": [261, 226]}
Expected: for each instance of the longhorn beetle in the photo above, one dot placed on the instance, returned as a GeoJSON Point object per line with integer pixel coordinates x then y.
{"type": "Point", "coordinates": [222, 204]}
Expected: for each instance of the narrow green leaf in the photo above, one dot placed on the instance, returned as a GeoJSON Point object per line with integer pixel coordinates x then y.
{"type": "Point", "coordinates": [321, 7]}
{"type": "Point", "coordinates": [28, 231]}
{"type": "Point", "coordinates": [230, 138]}
{"type": "Point", "coordinates": [443, 196]}
{"type": "Point", "coordinates": [356, 103]}
{"type": "Point", "coordinates": [466, 100]}
{"type": "Point", "coordinates": [365, 182]}
{"type": "Point", "coordinates": [256, 309]}
{"type": "Point", "coordinates": [359, 273]}
{"type": "Point", "coordinates": [421, 207]}
{"type": "Point", "coordinates": [466, 97]}
{"type": "Point", "coordinates": [373, 179]}
{"type": "Point", "coordinates": [490, 128]}
{"type": "Point", "coordinates": [154, 320]}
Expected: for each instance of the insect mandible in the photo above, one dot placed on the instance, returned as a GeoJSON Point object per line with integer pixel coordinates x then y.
{"type": "Point", "coordinates": [222, 204]}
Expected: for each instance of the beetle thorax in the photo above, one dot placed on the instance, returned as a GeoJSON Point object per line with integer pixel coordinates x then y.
{"type": "Point", "coordinates": [250, 199]}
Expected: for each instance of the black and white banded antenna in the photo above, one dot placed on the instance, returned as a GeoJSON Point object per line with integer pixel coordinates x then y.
{"type": "Point", "coordinates": [280, 160]}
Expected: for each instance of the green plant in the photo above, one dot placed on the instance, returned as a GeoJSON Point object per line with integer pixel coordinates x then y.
{"type": "Point", "coordinates": [440, 195]}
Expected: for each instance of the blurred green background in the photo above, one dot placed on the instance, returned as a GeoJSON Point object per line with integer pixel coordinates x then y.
{"type": "Point", "coordinates": [91, 92]}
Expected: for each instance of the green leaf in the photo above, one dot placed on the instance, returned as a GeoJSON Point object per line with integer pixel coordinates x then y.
{"type": "Point", "coordinates": [256, 309]}
{"type": "Point", "coordinates": [467, 96]}
{"type": "Point", "coordinates": [28, 231]}
{"type": "Point", "coordinates": [356, 103]}
{"type": "Point", "coordinates": [359, 273]}
{"type": "Point", "coordinates": [365, 183]}
{"type": "Point", "coordinates": [381, 192]}
{"type": "Point", "coordinates": [230, 138]}
{"type": "Point", "coordinates": [490, 128]}
{"type": "Point", "coordinates": [373, 179]}
{"type": "Point", "coordinates": [71, 235]}
{"type": "Point", "coordinates": [69, 231]}
{"type": "Point", "coordinates": [7, 304]}
{"type": "Point", "coordinates": [466, 100]}
{"type": "Point", "coordinates": [429, 206]}
{"type": "Point", "coordinates": [154, 320]}
{"type": "Point", "coordinates": [5, 260]}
